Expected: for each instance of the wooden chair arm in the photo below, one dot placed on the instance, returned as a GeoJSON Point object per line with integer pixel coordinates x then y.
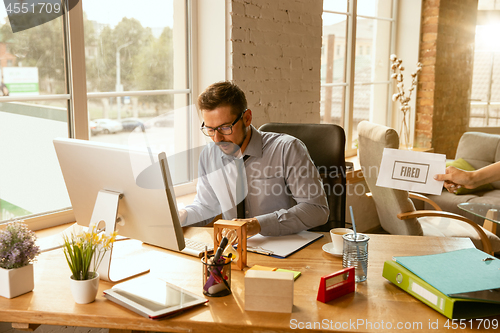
{"type": "Point", "coordinates": [425, 199]}
{"type": "Point", "coordinates": [419, 197]}
{"type": "Point", "coordinates": [432, 213]}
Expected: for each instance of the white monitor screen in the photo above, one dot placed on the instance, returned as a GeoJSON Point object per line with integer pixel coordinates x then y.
{"type": "Point", "coordinates": [147, 210]}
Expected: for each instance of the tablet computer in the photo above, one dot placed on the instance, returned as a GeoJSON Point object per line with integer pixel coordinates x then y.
{"type": "Point", "coordinates": [152, 297]}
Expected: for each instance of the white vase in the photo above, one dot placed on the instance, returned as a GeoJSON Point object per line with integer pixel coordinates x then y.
{"type": "Point", "coordinates": [16, 281]}
{"type": "Point", "coordinates": [84, 291]}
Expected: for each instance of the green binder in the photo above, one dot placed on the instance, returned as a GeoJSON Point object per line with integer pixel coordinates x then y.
{"type": "Point", "coordinates": [451, 307]}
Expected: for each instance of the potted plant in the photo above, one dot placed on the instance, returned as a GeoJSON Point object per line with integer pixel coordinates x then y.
{"type": "Point", "coordinates": [84, 253]}
{"type": "Point", "coordinates": [18, 251]}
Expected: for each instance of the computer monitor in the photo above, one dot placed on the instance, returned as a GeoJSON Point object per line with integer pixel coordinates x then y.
{"type": "Point", "coordinates": [129, 189]}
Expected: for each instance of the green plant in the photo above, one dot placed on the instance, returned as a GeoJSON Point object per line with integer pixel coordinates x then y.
{"type": "Point", "coordinates": [17, 246]}
{"type": "Point", "coordinates": [85, 249]}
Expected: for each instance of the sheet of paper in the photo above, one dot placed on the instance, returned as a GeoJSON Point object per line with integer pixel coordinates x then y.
{"type": "Point", "coordinates": [281, 246]}
{"type": "Point", "coordinates": [411, 171]}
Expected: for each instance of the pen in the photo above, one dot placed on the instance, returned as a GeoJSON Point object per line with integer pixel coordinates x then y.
{"type": "Point", "coordinates": [206, 262]}
{"type": "Point", "coordinates": [222, 246]}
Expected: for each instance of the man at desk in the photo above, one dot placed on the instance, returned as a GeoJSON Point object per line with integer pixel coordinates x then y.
{"type": "Point", "coordinates": [267, 179]}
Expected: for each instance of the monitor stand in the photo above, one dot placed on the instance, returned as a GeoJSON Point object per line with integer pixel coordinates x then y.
{"type": "Point", "coordinates": [106, 210]}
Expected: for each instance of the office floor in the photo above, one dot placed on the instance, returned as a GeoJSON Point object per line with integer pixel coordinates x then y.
{"type": "Point", "coordinates": [7, 328]}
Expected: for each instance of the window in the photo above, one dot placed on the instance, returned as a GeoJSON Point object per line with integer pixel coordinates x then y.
{"type": "Point", "coordinates": [355, 82]}
{"type": "Point", "coordinates": [33, 111]}
{"type": "Point", "coordinates": [485, 92]}
{"type": "Point", "coordinates": [137, 76]}
{"type": "Point", "coordinates": [138, 85]}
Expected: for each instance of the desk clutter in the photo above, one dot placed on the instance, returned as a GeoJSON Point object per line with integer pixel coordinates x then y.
{"type": "Point", "coordinates": [267, 289]}
{"type": "Point", "coordinates": [374, 301]}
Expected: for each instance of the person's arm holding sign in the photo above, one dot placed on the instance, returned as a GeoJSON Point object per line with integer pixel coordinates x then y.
{"type": "Point", "coordinates": [455, 178]}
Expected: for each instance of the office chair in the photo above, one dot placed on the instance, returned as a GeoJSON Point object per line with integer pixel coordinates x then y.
{"type": "Point", "coordinates": [395, 209]}
{"type": "Point", "coordinates": [326, 145]}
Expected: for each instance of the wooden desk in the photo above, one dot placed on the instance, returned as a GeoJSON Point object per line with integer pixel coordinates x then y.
{"type": "Point", "coordinates": [376, 301]}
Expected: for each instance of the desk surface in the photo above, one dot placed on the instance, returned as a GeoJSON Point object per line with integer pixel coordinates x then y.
{"type": "Point", "coordinates": [376, 300]}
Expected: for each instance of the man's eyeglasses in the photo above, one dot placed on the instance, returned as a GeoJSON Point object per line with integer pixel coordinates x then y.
{"type": "Point", "coordinates": [222, 129]}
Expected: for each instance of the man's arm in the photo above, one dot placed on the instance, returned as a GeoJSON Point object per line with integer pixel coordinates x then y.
{"type": "Point", "coordinates": [206, 206]}
{"type": "Point", "coordinates": [306, 188]}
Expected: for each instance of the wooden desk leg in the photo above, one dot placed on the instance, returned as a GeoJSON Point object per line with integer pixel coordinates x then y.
{"type": "Point", "coordinates": [488, 225]}
{"type": "Point", "coordinates": [25, 326]}
{"type": "Point", "coordinates": [114, 330]}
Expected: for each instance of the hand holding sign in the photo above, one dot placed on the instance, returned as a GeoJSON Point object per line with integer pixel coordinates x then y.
{"type": "Point", "coordinates": [411, 170]}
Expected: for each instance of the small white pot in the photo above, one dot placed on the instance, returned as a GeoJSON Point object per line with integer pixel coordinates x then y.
{"type": "Point", "coordinates": [84, 291]}
{"type": "Point", "coordinates": [16, 281]}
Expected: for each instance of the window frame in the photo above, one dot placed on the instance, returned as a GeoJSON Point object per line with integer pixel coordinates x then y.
{"type": "Point", "coordinates": [350, 84]}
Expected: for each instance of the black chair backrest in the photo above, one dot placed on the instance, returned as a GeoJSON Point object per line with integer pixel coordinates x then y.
{"type": "Point", "coordinates": [326, 146]}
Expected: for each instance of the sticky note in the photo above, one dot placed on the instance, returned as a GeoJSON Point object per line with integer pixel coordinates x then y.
{"type": "Point", "coordinates": [296, 274]}
{"type": "Point", "coordinates": [262, 268]}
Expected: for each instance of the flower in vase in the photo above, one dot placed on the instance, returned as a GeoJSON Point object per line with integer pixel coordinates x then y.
{"type": "Point", "coordinates": [85, 251]}
{"type": "Point", "coordinates": [17, 246]}
{"type": "Point", "coordinates": [401, 95]}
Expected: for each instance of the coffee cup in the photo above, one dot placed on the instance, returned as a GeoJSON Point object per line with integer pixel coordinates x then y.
{"type": "Point", "coordinates": [337, 240]}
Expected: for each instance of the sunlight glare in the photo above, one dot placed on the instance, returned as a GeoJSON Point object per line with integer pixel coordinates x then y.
{"type": "Point", "coordinates": [487, 37]}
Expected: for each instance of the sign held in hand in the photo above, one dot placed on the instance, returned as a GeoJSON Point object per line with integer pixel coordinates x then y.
{"type": "Point", "coordinates": [411, 170]}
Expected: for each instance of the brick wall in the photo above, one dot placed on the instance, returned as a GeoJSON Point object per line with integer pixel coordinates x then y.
{"type": "Point", "coordinates": [276, 52]}
{"type": "Point", "coordinates": [446, 52]}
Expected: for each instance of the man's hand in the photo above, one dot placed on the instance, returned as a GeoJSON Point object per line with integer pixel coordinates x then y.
{"type": "Point", "coordinates": [253, 226]}
{"type": "Point", "coordinates": [182, 216]}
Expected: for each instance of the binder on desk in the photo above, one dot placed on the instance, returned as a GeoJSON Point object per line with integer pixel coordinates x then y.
{"type": "Point", "coordinates": [436, 280]}
{"type": "Point", "coordinates": [281, 246]}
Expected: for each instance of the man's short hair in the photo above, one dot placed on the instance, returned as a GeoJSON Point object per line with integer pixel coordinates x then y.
{"type": "Point", "coordinates": [224, 93]}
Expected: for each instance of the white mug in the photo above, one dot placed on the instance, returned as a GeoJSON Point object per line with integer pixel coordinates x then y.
{"type": "Point", "coordinates": [337, 240]}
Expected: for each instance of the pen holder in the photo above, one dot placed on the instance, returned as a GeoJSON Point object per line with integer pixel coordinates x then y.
{"type": "Point", "coordinates": [241, 231]}
{"type": "Point", "coordinates": [356, 255]}
{"type": "Point", "coordinates": [216, 277]}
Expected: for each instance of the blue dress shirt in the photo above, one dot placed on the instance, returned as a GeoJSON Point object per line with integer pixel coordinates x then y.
{"type": "Point", "coordinates": [284, 190]}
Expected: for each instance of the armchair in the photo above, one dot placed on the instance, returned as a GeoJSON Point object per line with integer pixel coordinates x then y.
{"type": "Point", "coordinates": [396, 211]}
{"type": "Point", "coordinates": [326, 145]}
